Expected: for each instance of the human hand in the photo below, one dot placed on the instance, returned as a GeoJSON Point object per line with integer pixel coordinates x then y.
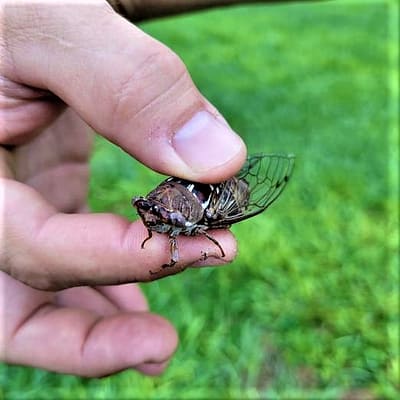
{"type": "Point", "coordinates": [62, 68]}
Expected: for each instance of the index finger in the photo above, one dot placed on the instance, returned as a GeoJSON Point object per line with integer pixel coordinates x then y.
{"type": "Point", "coordinates": [50, 250]}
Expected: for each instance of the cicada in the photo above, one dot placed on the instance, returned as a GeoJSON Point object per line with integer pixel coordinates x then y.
{"type": "Point", "coordinates": [182, 207]}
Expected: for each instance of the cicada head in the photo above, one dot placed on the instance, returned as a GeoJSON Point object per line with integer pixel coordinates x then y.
{"type": "Point", "coordinates": [155, 214]}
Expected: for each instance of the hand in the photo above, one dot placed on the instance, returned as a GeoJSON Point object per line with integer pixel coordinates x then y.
{"type": "Point", "coordinates": [63, 68]}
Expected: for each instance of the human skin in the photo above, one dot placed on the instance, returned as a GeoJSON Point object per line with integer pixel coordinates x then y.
{"type": "Point", "coordinates": [64, 68]}
{"type": "Point", "coordinates": [67, 300]}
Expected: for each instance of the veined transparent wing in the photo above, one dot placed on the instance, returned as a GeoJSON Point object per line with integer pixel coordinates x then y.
{"type": "Point", "coordinates": [258, 184]}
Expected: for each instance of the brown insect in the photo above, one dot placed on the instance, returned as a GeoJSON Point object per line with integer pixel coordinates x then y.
{"type": "Point", "coordinates": [181, 207]}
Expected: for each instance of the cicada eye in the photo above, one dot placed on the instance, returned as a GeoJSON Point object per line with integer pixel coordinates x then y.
{"type": "Point", "coordinates": [141, 204]}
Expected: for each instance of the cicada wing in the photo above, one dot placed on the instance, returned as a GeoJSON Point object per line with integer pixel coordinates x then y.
{"type": "Point", "coordinates": [258, 184]}
{"type": "Point", "coordinates": [267, 176]}
{"type": "Point", "coordinates": [229, 199]}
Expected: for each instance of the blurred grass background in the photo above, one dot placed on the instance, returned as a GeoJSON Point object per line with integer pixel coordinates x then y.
{"type": "Point", "coordinates": [309, 309]}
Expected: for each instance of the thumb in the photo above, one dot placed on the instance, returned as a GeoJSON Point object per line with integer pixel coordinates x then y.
{"type": "Point", "coordinates": [129, 87]}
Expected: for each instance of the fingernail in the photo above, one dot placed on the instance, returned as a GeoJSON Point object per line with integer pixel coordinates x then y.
{"type": "Point", "coordinates": [206, 141]}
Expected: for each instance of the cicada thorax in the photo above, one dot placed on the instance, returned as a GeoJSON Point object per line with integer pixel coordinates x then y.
{"type": "Point", "coordinates": [174, 196]}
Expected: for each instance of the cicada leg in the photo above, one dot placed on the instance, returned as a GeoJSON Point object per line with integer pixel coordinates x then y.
{"type": "Point", "coordinates": [203, 232]}
{"type": "Point", "coordinates": [150, 233]}
{"type": "Point", "coordinates": [173, 248]}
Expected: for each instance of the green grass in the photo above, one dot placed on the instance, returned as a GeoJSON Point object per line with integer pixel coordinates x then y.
{"type": "Point", "coordinates": [309, 309]}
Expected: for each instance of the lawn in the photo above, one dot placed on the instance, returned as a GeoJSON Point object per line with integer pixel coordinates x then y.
{"type": "Point", "coordinates": [309, 309]}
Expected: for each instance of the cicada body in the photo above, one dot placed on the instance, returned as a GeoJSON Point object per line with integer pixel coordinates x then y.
{"type": "Point", "coordinates": [181, 207]}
